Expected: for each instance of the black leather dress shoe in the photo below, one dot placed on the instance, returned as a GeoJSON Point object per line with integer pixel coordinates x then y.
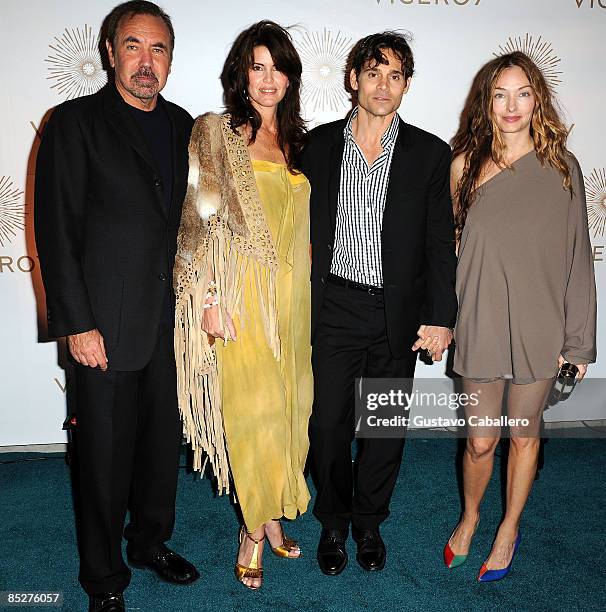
{"type": "Point", "coordinates": [332, 556]}
{"type": "Point", "coordinates": [168, 565]}
{"type": "Point", "coordinates": [106, 602]}
{"type": "Point", "coordinates": [371, 549]}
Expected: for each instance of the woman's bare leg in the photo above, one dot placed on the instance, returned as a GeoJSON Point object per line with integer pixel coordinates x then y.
{"type": "Point", "coordinates": [478, 458]}
{"type": "Point", "coordinates": [524, 402]}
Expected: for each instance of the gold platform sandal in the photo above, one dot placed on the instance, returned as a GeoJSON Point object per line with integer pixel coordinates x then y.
{"type": "Point", "coordinates": [287, 545]}
{"type": "Point", "coordinates": [253, 570]}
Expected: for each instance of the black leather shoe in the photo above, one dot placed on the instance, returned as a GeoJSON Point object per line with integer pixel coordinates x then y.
{"type": "Point", "coordinates": [106, 602]}
{"type": "Point", "coordinates": [371, 549]}
{"type": "Point", "coordinates": [332, 556]}
{"type": "Point", "coordinates": [168, 565]}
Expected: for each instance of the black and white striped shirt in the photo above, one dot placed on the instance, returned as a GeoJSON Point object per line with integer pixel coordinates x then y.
{"type": "Point", "coordinates": [362, 193]}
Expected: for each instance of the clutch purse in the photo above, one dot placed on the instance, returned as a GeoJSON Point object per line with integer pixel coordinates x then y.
{"type": "Point", "coordinates": [565, 381]}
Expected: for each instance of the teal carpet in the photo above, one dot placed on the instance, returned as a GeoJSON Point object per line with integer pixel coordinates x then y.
{"type": "Point", "coordinates": [560, 564]}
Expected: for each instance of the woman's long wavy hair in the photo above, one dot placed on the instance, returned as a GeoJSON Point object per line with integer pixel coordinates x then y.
{"type": "Point", "coordinates": [480, 140]}
{"type": "Point", "coordinates": [234, 78]}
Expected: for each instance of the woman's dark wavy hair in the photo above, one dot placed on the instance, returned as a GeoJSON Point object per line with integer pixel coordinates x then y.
{"type": "Point", "coordinates": [234, 78]}
{"type": "Point", "coordinates": [479, 139]}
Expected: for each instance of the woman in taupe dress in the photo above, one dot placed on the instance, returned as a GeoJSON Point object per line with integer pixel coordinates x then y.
{"type": "Point", "coordinates": [525, 282]}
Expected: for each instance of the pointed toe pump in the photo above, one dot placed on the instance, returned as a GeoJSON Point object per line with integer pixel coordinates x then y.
{"type": "Point", "coordinates": [488, 575]}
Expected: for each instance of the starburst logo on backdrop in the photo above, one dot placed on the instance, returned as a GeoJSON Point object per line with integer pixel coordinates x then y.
{"type": "Point", "coordinates": [12, 215]}
{"type": "Point", "coordinates": [75, 64]}
{"type": "Point", "coordinates": [595, 186]}
{"type": "Point", "coordinates": [540, 52]}
{"type": "Point", "coordinates": [323, 55]}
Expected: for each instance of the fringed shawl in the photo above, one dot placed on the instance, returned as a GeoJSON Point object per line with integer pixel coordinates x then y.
{"type": "Point", "coordinates": [223, 234]}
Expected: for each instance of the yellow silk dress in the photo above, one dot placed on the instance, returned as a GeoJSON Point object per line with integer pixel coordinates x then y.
{"type": "Point", "coordinates": [267, 402]}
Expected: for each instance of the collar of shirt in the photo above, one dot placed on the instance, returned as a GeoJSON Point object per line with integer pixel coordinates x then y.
{"type": "Point", "coordinates": [388, 138]}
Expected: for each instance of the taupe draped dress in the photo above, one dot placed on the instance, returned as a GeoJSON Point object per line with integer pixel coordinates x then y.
{"type": "Point", "coordinates": [525, 279]}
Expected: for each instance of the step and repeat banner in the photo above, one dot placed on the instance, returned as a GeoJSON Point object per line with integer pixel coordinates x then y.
{"type": "Point", "coordinates": [51, 55]}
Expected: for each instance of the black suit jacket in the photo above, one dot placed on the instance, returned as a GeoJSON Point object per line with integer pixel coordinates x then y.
{"type": "Point", "coordinates": [417, 239]}
{"type": "Point", "coordinates": [105, 241]}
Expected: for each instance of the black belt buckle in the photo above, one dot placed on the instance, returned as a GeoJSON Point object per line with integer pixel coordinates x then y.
{"type": "Point", "coordinates": [373, 290]}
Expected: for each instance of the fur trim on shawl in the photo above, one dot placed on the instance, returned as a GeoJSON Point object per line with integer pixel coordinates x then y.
{"type": "Point", "coordinates": [223, 234]}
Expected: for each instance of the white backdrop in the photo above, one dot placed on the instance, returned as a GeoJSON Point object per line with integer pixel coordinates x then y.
{"type": "Point", "coordinates": [49, 55]}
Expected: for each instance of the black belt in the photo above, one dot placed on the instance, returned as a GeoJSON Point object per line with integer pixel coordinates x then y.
{"type": "Point", "coordinates": [345, 282]}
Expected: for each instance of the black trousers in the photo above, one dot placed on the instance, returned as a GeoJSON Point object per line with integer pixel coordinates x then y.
{"type": "Point", "coordinates": [128, 438]}
{"type": "Point", "coordinates": [350, 342]}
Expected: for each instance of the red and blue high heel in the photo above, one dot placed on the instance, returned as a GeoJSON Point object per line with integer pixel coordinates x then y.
{"type": "Point", "coordinates": [450, 559]}
{"type": "Point", "coordinates": [487, 575]}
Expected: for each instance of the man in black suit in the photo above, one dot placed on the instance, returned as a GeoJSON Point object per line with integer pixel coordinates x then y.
{"type": "Point", "coordinates": [110, 180]}
{"type": "Point", "coordinates": [383, 268]}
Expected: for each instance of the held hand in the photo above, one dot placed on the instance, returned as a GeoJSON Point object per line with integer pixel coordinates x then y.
{"type": "Point", "coordinates": [88, 349]}
{"type": "Point", "coordinates": [211, 323]}
{"type": "Point", "coordinates": [434, 339]}
{"type": "Point", "coordinates": [582, 367]}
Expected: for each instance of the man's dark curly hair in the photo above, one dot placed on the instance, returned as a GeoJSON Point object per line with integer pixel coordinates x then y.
{"type": "Point", "coordinates": [370, 50]}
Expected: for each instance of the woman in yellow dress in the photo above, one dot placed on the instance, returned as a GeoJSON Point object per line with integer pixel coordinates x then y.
{"type": "Point", "coordinates": [242, 277]}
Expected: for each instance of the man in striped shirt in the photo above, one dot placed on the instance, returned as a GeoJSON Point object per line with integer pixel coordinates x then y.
{"type": "Point", "coordinates": [383, 269]}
